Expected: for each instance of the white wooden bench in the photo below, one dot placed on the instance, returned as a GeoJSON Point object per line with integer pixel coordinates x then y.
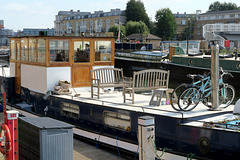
{"type": "Point", "coordinates": [146, 80]}
{"type": "Point", "coordinates": [106, 77]}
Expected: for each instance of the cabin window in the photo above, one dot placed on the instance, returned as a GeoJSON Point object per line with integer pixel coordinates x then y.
{"type": "Point", "coordinates": [81, 51]}
{"type": "Point", "coordinates": [41, 50]}
{"type": "Point", "coordinates": [70, 110]}
{"type": "Point", "coordinates": [117, 120]}
{"type": "Point", "coordinates": [103, 50]}
{"type": "Point", "coordinates": [59, 51]}
{"type": "Point", "coordinates": [12, 49]}
{"type": "Point", "coordinates": [24, 50]}
{"type": "Point", "coordinates": [18, 50]}
{"type": "Point", "coordinates": [32, 50]}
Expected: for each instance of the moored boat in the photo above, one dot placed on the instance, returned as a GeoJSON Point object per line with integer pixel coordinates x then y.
{"type": "Point", "coordinates": [42, 62]}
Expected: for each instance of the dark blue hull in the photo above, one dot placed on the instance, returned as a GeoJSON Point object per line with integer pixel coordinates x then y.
{"type": "Point", "coordinates": [171, 133]}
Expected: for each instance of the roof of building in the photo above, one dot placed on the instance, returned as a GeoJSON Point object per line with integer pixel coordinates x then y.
{"type": "Point", "coordinates": [220, 12]}
{"type": "Point", "coordinates": [142, 37]}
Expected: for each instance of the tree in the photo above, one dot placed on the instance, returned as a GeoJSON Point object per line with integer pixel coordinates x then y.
{"type": "Point", "coordinates": [115, 29]}
{"type": "Point", "coordinates": [136, 27]}
{"type": "Point", "coordinates": [135, 11]}
{"type": "Point", "coordinates": [217, 6]}
{"type": "Point", "coordinates": [165, 24]}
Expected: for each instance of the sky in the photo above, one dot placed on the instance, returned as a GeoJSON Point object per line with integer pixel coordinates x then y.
{"type": "Point", "coordinates": [19, 14]}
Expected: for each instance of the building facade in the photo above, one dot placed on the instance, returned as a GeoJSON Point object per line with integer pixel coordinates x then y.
{"type": "Point", "coordinates": [78, 23]}
{"type": "Point", "coordinates": [215, 17]}
{"type": "Point", "coordinates": [37, 32]}
{"type": "Point", "coordinates": [183, 21]}
{"type": "Point", "coordinates": [1, 24]}
{"type": "Point", "coordinates": [4, 34]}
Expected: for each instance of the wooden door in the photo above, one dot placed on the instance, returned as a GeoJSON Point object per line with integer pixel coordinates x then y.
{"type": "Point", "coordinates": [18, 77]}
{"type": "Point", "coordinates": [81, 62]}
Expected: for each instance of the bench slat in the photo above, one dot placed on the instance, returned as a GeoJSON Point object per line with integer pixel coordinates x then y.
{"type": "Point", "coordinates": [149, 79]}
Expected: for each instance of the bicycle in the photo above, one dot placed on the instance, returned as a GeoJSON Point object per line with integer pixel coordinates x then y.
{"type": "Point", "coordinates": [189, 95]}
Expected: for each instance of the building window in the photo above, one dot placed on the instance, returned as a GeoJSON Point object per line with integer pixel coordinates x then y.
{"type": "Point", "coordinates": [81, 51]}
{"type": "Point", "coordinates": [183, 22]}
{"type": "Point", "coordinates": [59, 51]}
{"type": "Point", "coordinates": [103, 50]}
{"type": "Point", "coordinates": [41, 51]}
{"type": "Point", "coordinates": [117, 120]}
{"type": "Point", "coordinates": [107, 24]}
{"type": "Point", "coordinates": [32, 50]}
{"type": "Point", "coordinates": [24, 48]}
{"type": "Point", "coordinates": [12, 49]}
{"type": "Point", "coordinates": [117, 21]}
{"type": "Point", "coordinates": [198, 25]}
{"type": "Point", "coordinates": [91, 27]}
{"type": "Point", "coordinates": [232, 15]}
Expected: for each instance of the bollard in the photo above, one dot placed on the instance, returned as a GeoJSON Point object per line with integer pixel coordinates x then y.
{"type": "Point", "coordinates": [215, 76]}
{"type": "Point", "coordinates": [146, 138]}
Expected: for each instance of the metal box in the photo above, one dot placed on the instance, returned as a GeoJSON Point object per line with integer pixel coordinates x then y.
{"type": "Point", "coordinates": [42, 138]}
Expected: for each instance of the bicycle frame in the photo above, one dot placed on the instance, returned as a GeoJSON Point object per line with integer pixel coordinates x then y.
{"type": "Point", "coordinates": [204, 82]}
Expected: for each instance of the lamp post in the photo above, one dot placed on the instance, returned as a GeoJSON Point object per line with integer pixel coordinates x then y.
{"type": "Point", "coordinates": [188, 34]}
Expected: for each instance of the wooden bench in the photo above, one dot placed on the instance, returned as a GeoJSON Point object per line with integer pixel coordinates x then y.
{"type": "Point", "coordinates": [106, 77]}
{"type": "Point", "coordinates": [146, 80]}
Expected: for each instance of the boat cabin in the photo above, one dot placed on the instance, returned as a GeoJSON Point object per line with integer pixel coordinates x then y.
{"type": "Point", "coordinates": [40, 62]}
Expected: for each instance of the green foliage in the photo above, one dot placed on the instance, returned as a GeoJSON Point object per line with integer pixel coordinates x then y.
{"type": "Point", "coordinates": [217, 6]}
{"type": "Point", "coordinates": [136, 27]}
{"type": "Point", "coordinates": [135, 11]}
{"type": "Point", "coordinates": [165, 24]}
{"type": "Point", "coordinates": [115, 29]}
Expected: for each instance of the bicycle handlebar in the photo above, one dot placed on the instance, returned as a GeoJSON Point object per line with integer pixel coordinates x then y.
{"type": "Point", "coordinates": [222, 73]}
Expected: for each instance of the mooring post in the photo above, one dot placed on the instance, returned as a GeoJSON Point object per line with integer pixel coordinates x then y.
{"type": "Point", "coordinates": [215, 75]}
{"type": "Point", "coordinates": [146, 138]}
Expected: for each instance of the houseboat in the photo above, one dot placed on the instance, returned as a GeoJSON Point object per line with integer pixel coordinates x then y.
{"type": "Point", "coordinates": [37, 64]}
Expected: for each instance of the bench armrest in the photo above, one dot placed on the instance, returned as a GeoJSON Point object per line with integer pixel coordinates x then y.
{"type": "Point", "coordinates": [127, 79]}
{"type": "Point", "coordinates": [96, 80]}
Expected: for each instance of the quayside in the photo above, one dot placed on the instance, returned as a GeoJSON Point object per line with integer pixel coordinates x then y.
{"type": "Point", "coordinates": [39, 64]}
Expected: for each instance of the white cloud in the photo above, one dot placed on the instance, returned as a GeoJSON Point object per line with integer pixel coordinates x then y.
{"type": "Point", "coordinates": [15, 7]}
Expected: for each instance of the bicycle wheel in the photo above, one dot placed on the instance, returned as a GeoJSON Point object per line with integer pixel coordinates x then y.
{"type": "Point", "coordinates": [189, 99]}
{"type": "Point", "coordinates": [175, 94]}
{"type": "Point", "coordinates": [226, 96]}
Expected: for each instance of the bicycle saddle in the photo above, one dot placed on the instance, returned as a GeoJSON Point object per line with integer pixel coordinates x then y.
{"type": "Point", "coordinates": [195, 76]}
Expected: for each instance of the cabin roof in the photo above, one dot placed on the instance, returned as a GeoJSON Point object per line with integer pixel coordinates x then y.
{"type": "Point", "coordinates": [143, 37]}
{"type": "Point", "coordinates": [50, 36]}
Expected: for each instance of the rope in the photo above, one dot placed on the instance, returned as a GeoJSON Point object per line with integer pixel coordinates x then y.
{"type": "Point", "coordinates": [136, 153]}
{"type": "Point", "coordinates": [190, 155]}
{"type": "Point", "coordinates": [118, 148]}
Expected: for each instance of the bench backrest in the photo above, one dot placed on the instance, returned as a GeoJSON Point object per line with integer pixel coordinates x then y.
{"type": "Point", "coordinates": [151, 78]}
{"type": "Point", "coordinates": [107, 75]}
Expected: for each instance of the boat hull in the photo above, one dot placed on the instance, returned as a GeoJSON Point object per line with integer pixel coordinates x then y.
{"type": "Point", "coordinates": [170, 133]}
{"type": "Point", "coordinates": [180, 69]}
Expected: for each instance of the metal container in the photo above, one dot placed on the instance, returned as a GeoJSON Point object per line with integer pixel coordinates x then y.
{"type": "Point", "coordinates": [45, 139]}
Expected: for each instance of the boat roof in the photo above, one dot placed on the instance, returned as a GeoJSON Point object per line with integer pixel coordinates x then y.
{"type": "Point", "coordinates": [53, 36]}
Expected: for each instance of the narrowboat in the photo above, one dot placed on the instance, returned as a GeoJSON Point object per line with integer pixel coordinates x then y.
{"type": "Point", "coordinates": [39, 63]}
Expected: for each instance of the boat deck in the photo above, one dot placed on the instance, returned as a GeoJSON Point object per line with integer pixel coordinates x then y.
{"type": "Point", "coordinates": [115, 99]}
